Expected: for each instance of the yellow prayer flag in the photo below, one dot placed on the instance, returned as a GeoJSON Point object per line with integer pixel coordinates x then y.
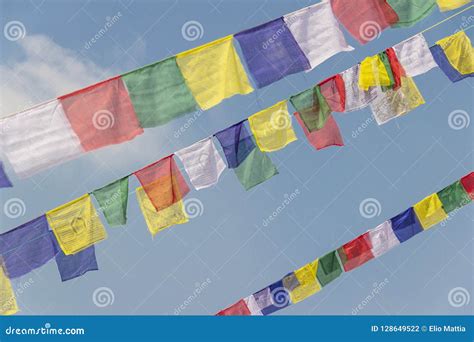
{"type": "Point", "coordinates": [308, 284]}
{"type": "Point", "coordinates": [8, 302]}
{"type": "Point", "coordinates": [157, 221]}
{"type": "Point", "coordinates": [430, 211]}
{"type": "Point", "coordinates": [449, 5]}
{"type": "Point", "coordinates": [214, 72]}
{"type": "Point", "coordinates": [372, 73]}
{"type": "Point", "coordinates": [459, 51]}
{"type": "Point", "coordinates": [272, 127]}
{"type": "Point", "coordinates": [76, 225]}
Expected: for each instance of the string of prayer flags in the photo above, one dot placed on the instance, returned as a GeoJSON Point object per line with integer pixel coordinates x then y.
{"type": "Point", "coordinates": [214, 72]}
{"type": "Point", "coordinates": [38, 138]}
{"type": "Point", "coordinates": [329, 135]}
{"type": "Point", "coordinates": [157, 221]}
{"type": "Point", "coordinates": [412, 11]}
{"type": "Point", "coordinates": [236, 142]}
{"type": "Point", "coordinates": [26, 247]}
{"type": "Point", "coordinates": [356, 252]}
{"type": "Point", "coordinates": [203, 163]}
{"type": "Point", "coordinates": [163, 183]}
{"type": "Point", "coordinates": [468, 184]}
{"type": "Point", "coordinates": [364, 19]}
{"type": "Point", "coordinates": [329, 268]}
{"type": "Point", "coordinates": [414, 55]}
{"type": "Point", "coordinates": [102, 114]}
{"type": "Point", "coordinates": [312, 107]}
{"type": "Point", "coordinates": [159, 93]}
{"type": "Point", "coordinates": [453, 197]}
{"type": "Point", "coordinates": [75, 265]}
{"type": "Point", "coordinates": [76, 225]}
{"type": "Point", "coordinates": [4, 180]}
{"type": "Point", "coordinates": [392, 103]}
{"type": "Point", "coordinates": [459, 52]}
{"type": "Point", "coordinates": [449, 5]}
{"type": "Point", "coordinates": [272, 127]}
{"type": "Point", "coordinates": [255, 169]}
{"type": "Point", "coordinates": [238, 309]}
{"type": "Point", "coordinates": [374, 72]}
{"type": "Point", "coordinates": [307, 282]}
{"type": "Point", "coordinates": [113, 201]}
{"type": "Point", "coordinates": [430, 211]}
{"type": "Point", "coordinates": [8, 304]}
{"type": "Point", "coordinates": [406, 225]}
{"type": "Point", "coordinates": [382, 239]}
{"type": "Point", "coordinates": [271, 52]}
{"type": "Point", "coordinates": [333, 90]}
{"type": "Point", "coordinates": [355, 98]}
{"type": "Point", "coordinates": [317, 32]}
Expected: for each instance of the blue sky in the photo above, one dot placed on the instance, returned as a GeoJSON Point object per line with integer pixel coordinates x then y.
{"type": "Point", "coordinates": [227, 246]}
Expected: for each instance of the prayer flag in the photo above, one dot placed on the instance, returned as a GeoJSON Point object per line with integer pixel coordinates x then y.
{"type": "Point", "coordinates": [4, 180]}
{"type": "Point", "coordinates": [312, 107]}
{"type": "Point", "coordinates": [76, 265]}
{"type": "Point", "coordinates": [157, 221]}
{"type": "Point", "coordinates": [214, 72]}
{"type": "Point", "coordinates": [26, 247]}
{"type": "Point", "coordinates": [38, 138]}
{"type": "Point", "coordinates": [8, 304]}
{"type": "Point", "coordinates": [392, 103]}
{"type": "Point", "coordinates": [453, 197]}
{"type": "Point", "coordinates": [237, 144]}
{"type": "Point", "coordinates": [382, 239]}
{"type": "Point", "coordinates": [252, 305]}
{"type": "Point", "coordinates": [280, 298]}
{"type": "Point", "coordinates": [374, 72]}
{"type": "Point", "coordinates": [271, 52]}
{"type": "Point", "coordinates": [406, 225]}
{"type": "Point", "coordinates": [412, 11]}
{"type": "Point", "coordinates": [317, 32]}
{"type": "Point", "coordinates": [76, 225]}
{"type": "Point", "coordinates": [272, 127]}
{"type": "Point", "coordinates": [113, 201]}
{"type": "Point", "coordinates": [430, 211]}
{"type": "Point", "coordinates": [102, 114]}
{"type": "Point", "coordinates": [468, 184]}
{"type": "Point", "coordinates": [415, 56]}
{"type": "Point", "coordinates": [308, 284]}
{"type": "Point", "coordinates": [255, 169]}
{"type": "Point", "coordinates": [237, 309]}
{"type": "Point", "coordinates": [449, 5]}
{"type": "Point", "coordinates": [163, 183]}
{"type": "Point", "coordinates": [364, 19]}
{"type": "Point", "coordinates": [459, 52]}
{"type": "Point", "coordinates": [203, 163]}
{"type": "Point", "coordinates": [159, 93]}
{"type": "Point", "coordinates": [356, 98]}
{"type": "Point", "coordinates": [443, 63]}
{"type": "Point", "coordinates": [262, 301]}
{"type": "Point", "coordinates": [334, 92]}
{"type": "Point", "coordinates": [356, 252]}
{"type": "Point", "coordinates": [396, 68]}
{"type": "Point", "coordinates": [327, 136]}
{"type": "Point", "coordinates": [329, 268]}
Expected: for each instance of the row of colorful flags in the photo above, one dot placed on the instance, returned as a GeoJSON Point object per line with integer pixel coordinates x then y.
{"type": "Point", "coordinates": [119, 109]}
{"type": "Point", "coordinates": [315, 275]}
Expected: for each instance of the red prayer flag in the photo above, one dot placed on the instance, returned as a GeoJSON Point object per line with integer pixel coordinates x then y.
{"type": "Point", "coordinates": [334, 91]}
{"type": "Point", "coordinates": [102, 114]}
{"type": "Point", "coordinates": [163, 183]}
{"type": "Point", "coordinates": [397, 68]}
{"type": "Point", "coordinates": [327, 136]}
{"type": "Point", "coordinates": [237, 309]}
{"type": "Point", "coordinates": [468, 184]}
{"type": "Point", "coordinates": [356, 252]}
{"type": "Point", "coordinates": [364, 19]}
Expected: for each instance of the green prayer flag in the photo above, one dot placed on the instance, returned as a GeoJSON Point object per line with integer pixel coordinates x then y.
{"type": "Point", "coordinates": [255, 169]}
{"type": "Point", "coordinates": [313, 108]}
{"type": "Point", "coordinates": [159, 93]}
{"type": "Point", "coordinates": [453, 197]}
{"type": "Point", "coordinates": [386, 62]}
{"type": "Point", "coordinates": [411, 11]}
{"type": "Point", "coordinates": [329, 268]}
{"type": "Point", "coordinates": [113, 200]}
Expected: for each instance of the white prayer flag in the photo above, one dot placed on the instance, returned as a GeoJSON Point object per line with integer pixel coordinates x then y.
{"type": "Point", "coordinates": [252, 306]}
{"type": "Point", "coordinates": [317, 32]}
{"type": "Point", "coordinates": [382, 238]}
{"type": "Point", "coordinates": [203, 163]}
{"type": "Point", "coordinates": [415, 56]}
{"type": "Point", "coordinates": [356, 98]}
